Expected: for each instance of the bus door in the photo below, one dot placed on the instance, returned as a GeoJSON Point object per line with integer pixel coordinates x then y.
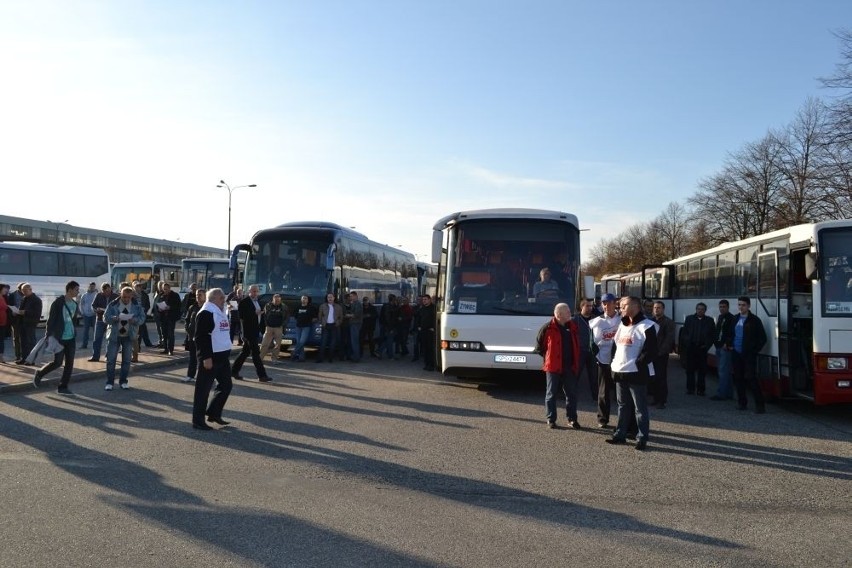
{"type": "Point", "coordinates": [657, 285]}
{"type": "Point", "coordinates": [768, 308]}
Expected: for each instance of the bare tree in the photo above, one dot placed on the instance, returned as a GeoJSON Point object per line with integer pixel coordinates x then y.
{"type": "Point", "coordinates": [672, 226]}
{"type": "Point", "coordinates": [802, 164]}
{"type": "Point", "coordinates": [840, 109]}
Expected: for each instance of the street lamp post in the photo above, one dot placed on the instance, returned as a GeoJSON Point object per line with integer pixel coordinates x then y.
{"type": "Point", "coordinates": [230, 191]}
{"type": "Point", "coordinates": [56, 227]}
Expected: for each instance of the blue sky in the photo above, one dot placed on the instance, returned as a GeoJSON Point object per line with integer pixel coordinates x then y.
{"type": "Point", "coordinates": [387, 115]}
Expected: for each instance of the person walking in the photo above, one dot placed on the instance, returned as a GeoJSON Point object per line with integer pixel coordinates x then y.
{"type": "Point", "coordinates": [558, 344]}
{"type": "Point", "coordinates": [60, 326]}
{"type": "Point", "coordinates": [213, 346]}
{"type": "Point", "coordinates": [250, 312]}
{"type": "Point", "coordinates": [122, 317]}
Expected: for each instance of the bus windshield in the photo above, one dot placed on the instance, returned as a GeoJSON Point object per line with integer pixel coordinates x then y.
{"type": "Point", "coordinates": [835, 255]}
{"type": "Point", "coordinates": [130, 274]}
{"type": "Point", "coordinates": [290, 267]}
{"type": "Point", "coordinates": [511, 267]}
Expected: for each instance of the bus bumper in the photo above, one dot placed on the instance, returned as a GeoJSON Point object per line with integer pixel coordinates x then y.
{"type": "Point", "coordinates": [479, 363]}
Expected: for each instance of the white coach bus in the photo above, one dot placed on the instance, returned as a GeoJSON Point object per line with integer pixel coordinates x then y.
{"type": "Point", "coordinates": [48, 268]}
{"type": "Point", "coordinates": [500, 274]}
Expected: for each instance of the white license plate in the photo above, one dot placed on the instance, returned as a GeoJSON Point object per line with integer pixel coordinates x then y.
{"type": "Point", "coordinates": [286, 342]}
{"type": "Point", "coordinates": [510, 358]}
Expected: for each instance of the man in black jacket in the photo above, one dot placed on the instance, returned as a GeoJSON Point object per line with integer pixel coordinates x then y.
{"type": "Point", "coordinates": [749, 339]}
{"type": "Point", "coordinates": [696, 337]}
{"type": "Point", "coordinates": [30, 316]}
{"type": "Point", "coordinates": [426, 329]}
{"type": "Point", "coordinates": [60, 325]}
{"type": "Point", "coordinates": [250, 312]}
{"type": "Point", "coordinates": [168, 305]}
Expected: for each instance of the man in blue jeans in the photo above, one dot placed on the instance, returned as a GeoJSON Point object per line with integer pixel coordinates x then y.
{"type": "Point", "coordinates": [724, 351]}
{"type": "Point", "coordinates": [306, 318]}
{"type": "Point", "coordinates": [632, 366]}
{"type": "Point", "coordinates": [123, 317]}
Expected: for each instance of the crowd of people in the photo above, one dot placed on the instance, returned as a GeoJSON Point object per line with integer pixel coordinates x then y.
{"type": "Point", "coordinates": [116, 323]}
{"type": "Point", "coordinates": [625, 350]}
{"type": "Point", "coordinates": [622, 348]}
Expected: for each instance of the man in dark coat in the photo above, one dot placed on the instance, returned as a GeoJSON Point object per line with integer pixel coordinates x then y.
{"type": "Point", "coordinates": [250, 312]}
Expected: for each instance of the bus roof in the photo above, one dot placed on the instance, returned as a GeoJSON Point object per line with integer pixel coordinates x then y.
{"type": "Point", "coordinates": [507, 213]}
{"type": "Point", "coordinates": [797, 234]}
{"type": "Point", "coordinates": [20, 245]}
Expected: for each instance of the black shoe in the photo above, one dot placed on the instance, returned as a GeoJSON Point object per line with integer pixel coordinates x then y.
{"type": "Point", "coordinates": [641, 445]}
{"type": "Point", "coordinates": [616, 441]}
{"type": "Point", "coordinates": [165, 351]}
{"type": "Point", "coordinates": [93, 359]}
{"type": "Point", "coordinates": [661, 406]}
{"type": "Point", "coordinates": [21, 362]}
{"type": "Point", "coordinates": [604, 425]}
{"type": "Point", "coordinates": [264, 379]}
{"type": "Point", "coordinates": [551, 424]}
{"type": "Point", "coordinates": [64, 390]}
{"type": "Point", "coordinates": [574, 425]}
{"type": "Point", "coordinates": [217, 420]}
{"type": "Point", "coordinates": [37, 379]}
{"type": "Point", "coordinates": [83, 346]}
{"type": "Point", "coordinates": [236, 376]}
{"type": "Point", "coordinates": [631, 436]}
{"type": "Point", "coordinates": [201, 426]}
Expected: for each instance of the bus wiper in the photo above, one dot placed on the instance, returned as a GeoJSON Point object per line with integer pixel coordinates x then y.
{"type": "Point", "coordinates": [517, 311]}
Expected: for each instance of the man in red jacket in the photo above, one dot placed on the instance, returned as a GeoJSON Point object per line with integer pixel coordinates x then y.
{"type": "Point", "coordinates": [558, 344]}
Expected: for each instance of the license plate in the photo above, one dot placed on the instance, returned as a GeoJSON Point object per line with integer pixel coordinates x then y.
{"type": "Point", "coordinates": [510, 358]}
{"type": "Point", "coordinates": [286, 342]}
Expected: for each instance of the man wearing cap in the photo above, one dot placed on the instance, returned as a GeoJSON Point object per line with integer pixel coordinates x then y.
{"type": "Point", "coordinates": [603, 331]}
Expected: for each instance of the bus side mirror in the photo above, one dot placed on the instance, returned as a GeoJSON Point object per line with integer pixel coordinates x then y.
{"type": "Point", "coordinates": [437, 241]}
{"type": "Point", "coordinates": [811, 266]}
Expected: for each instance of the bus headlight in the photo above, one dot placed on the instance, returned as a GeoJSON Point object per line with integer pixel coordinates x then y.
{"type": "Point", "coordinates": [836, 363]}
{"type": "Point", "coordinates": [461, 345]}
